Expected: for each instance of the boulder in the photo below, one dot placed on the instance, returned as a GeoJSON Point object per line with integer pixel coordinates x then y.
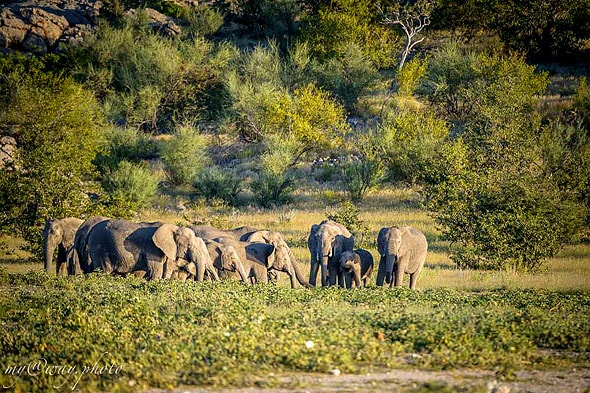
{"type": "Point", "coordinates": [43, 26]}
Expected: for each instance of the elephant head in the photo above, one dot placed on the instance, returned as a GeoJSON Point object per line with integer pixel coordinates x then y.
{"type": "Point", "coordinates": [225, 258]}
{"type": "Point", "coordinates": [182, 248]}
{"type": "Point", "coordinates": [59, 234]}
{"type": "Point", "coordinates": [284, 259]}
{"type": "Point", "coordinates": [350, 263]}
{"type": "Point", "coordinates": [326, 243]}
{"type": "Point", "coordinates": [402, 250]}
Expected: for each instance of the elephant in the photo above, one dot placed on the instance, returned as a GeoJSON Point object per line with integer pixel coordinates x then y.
{"type": "Point", "coordinates": [402, 250]}
{"type": "Point", "coordinates": [285, 260]}
{"type": "Point", "coordinates": [256, 257]}
{"type": "Point", "coordinates": [78, 258]}
{"type": "Point", "coordinates": [225, 259]}
{"type": "Point", "coordinates": [357, 267]}
{"type": "Point", "coordinates": [326, 242]}
{"type": "Point", "coordinates": [59, 234]}
{"type": "Point", "coordinates": [153, 250]}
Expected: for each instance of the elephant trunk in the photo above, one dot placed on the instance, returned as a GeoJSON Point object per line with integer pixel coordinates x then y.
{"type": "Point", "coordinates": [49, 249]}
{"type": "Point", "coordinates": [390, 261]}
{"type": "Point", "coordinates": [325, 275]}
{"type": "Point", "coordinates": [242, 273]}
{"type": "Point", "coordinates": [297, 270]}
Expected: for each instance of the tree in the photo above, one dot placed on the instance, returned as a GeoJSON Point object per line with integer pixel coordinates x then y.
{"type": "Point", "coordinates": [57, 128]}
{"type": "Point", "coordinates": [412, 17]}
{"type": "Point", "coordinates": [497, 199]}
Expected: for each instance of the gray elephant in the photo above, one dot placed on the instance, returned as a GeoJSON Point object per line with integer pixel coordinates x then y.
{"type": "Point", "coordinates": [285, 260]}
{"type": "Point", "coordinates": [153, 250]}
{"type": "Point", "coordinates": [256, 257]}
{"type": "Point", "coordinates": [402, 250]}
{"type": "Point", "coordinates": [226, 259]}
{"type": "Point", "coordinates": [357, 267]}
{"type": "Point", "coordinates": [78, 258]}
{"type": "Point", "coordinates": [59, 234]}
{"type": "Point", "coordinates": [326, 242]}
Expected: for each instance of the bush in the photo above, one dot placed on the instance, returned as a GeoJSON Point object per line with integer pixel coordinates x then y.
{"type": "Point", "coordinates": [185, 154]}
{"type": "Point", "coordinates": [349, 76]}
{"type": "Point", "coordinates": [131, 183]}
{"type": "Point", "coordinates": [151, 82]}
{"type": "Point", "coordinates": [125, 144]}
{"type": "Point", "coordinates": [218, 183]}
{"type": "Point", "coordinates": [409, 139]}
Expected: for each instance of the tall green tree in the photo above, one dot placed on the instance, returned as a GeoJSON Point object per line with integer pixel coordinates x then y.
{"type": "Point", "coordinates": [57, 126]}
{"type": "Point", "coordinates": [497, 201]}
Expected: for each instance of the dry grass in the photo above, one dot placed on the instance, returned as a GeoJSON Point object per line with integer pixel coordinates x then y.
{"type": "Point", "coordinates": [569, 270]}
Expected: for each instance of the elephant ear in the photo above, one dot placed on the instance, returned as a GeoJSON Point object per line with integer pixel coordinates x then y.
{"type": "Point", "coordinates": [382, 240]}
{"type": "Point", "coordinates": [262, 252]}
{"type": "Point", "coordinates": [163, 238]}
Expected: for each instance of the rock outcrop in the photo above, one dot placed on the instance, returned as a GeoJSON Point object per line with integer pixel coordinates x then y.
{"type": "Point", "coordinates": [43, 26]}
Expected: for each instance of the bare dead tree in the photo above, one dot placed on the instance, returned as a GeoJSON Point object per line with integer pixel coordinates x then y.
{"type": "Point", "coordinates": [412, 19]}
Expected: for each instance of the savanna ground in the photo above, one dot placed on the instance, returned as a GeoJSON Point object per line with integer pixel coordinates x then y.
{"type": "Point", "coordinates": [461, 331]}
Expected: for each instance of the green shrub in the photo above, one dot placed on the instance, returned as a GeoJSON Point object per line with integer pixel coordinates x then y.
{"type": "Point", "coordinates": [362, 176]}
{"type": "Point", "coordinates": [125, 144]}
{"type": "Point", "coordinates": [131, 183]}
{"type": "Point", "coordinates": [409, 139]}
{"type": "Point", "coordinates": [349, 76]}
{"type": "Point", "coordinates": [274, 184]}
{"type": "Point", "coordinates": [409, 77]}
{"type": "Point", "coordinates": [331, 28]}
{"type": "Point", "coordinates": [218, 183]}
{"type": "Point", "coordinates": [185, 154]}
{"type": "Point", "coordinates": [203, 20]}
{"type": "Point", "coordinates": [582, 102]}
{"type": "Point", "coordinates": [271, 190]}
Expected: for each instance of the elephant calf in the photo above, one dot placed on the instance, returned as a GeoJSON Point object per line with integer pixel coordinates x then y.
{"type": "Point", "coordinates": [357, 267]}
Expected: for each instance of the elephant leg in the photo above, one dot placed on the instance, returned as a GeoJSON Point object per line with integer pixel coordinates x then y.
{"type": "Point", "coordinates": [398, 276]}
{"type": "Point", "coordinates": [332, 276]}
{"type": "Point", "coordinates": [139, 273]}
{"type": "Point", "coordinates": [313, 273]}
{"type": "Point", "coordinates": [381, 273]}
{"type": "Point", "coordinates": [347, 280]}
{"type": "Point", "coordinates": [414, 278]}
{"type": "Point", "coordinates": [213, 276]}
{"type": "Point", "coordinates": [61, 268]}
{"type": "Point", "coordinates": [155, 270]}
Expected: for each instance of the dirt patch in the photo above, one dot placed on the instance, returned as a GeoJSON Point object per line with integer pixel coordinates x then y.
{"type": "Point", "coordinates": [401, 380]}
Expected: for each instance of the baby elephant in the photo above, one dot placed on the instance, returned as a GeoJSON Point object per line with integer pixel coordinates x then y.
{"type": "Point", "coordinates": [356, 266]}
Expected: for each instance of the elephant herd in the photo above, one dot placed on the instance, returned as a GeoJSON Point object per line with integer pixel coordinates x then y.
{"type": "Point", "coordinates": [156, 250]}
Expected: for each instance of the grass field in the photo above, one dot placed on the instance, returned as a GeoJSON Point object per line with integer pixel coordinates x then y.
{"type": "Point", "coordinates": [142, 335]}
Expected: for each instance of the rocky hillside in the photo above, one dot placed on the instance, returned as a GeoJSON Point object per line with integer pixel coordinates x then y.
{"type": "Point", "coordinates": [50, 26]}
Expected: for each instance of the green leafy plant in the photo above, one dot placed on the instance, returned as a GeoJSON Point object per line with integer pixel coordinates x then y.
{"type": "Point", "coordinates": [218, 183]}
{"type": "Point", "coordinates": [131, 183]}
{"type": "Point", "coordinates": [185, 154]}
{"type": "Point", "coordinates": [348, 215]}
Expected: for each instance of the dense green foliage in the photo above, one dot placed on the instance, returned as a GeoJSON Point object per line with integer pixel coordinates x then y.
{"type": "Point", "coordinates": [56, 124]}
{"type": "Point", "coordinates": [164, 334]}
{"type": "Point", "coordinates": [503, 207]}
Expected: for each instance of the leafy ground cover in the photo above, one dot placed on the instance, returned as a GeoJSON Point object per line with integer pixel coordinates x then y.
{"type": "Point", "coordinates": [108, 333]}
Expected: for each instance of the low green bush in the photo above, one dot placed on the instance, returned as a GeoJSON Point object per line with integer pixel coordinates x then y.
{"type": "Point", "coordinates": [218, 183]}
{"type": "Point", "coordinates": [131, 183]}
{"type": "Point", "coordinates": [185, 155]}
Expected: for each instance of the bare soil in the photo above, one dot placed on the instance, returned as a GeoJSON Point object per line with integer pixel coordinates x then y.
{"type": "Point", "coordinates": [407, 380]}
